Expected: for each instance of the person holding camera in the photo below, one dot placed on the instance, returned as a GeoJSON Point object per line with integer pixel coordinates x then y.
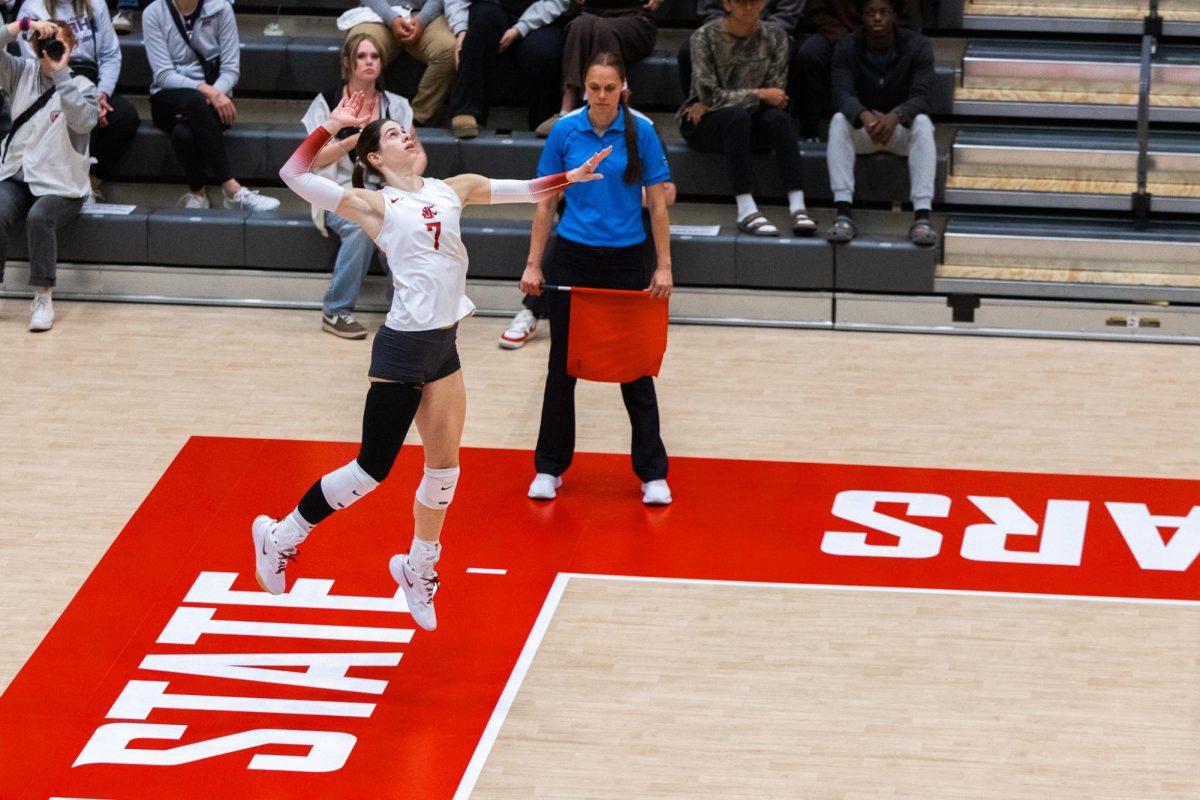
{"type": "Point", "coordinates": [44, 158]}
{"type": "Point", "coordinates": [97, 57]}
{"type": "Point", "coordinates": [193, 50]}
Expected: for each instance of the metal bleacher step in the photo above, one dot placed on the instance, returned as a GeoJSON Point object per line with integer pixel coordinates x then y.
{"type": "Point", "coordinates": [1165, 255]}
{"type": "Point", "coordinates": [1074, 168]}
{"type": "Point", "coordinates": [1076, 80]}
{"type": "Point", "coordinates": [1114, 17]}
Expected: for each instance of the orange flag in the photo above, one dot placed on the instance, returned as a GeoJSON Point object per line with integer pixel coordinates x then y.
{"type": "Point", "coordinates": [616, 336]}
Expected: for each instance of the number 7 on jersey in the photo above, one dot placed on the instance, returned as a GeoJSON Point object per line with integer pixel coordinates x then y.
{"type": "Point", "coordinates": [436, 227]}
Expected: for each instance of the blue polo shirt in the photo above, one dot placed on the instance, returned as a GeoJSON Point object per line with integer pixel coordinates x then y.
{"type": "Point", "coordinates": [605, 213]}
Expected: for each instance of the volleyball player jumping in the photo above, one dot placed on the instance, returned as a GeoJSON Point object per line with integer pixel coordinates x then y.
{"type": "Point", "coordinates": [415, 372]}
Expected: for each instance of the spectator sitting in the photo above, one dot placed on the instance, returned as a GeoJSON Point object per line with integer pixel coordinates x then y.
{"type": "Point", "coordinates": [527, 30]}
{"type": "Point", "coordinates": [425, 35]}
{"type": "Point", "coordinates": [783, 13]}
{"type": "Point", "coordinates": [361, 68]}
{"type": "Point", "coordinates": [624, 27]}
{"type": "Point", "coordinates": [193, 50]}
{"type": "Point", "coordinates": [737, 101]}
{"type": "Point", "coordinates": [96, 56]}
{"type": "Point", "coordinates": [44, 159]}
{"type": "Point", "coordinates": [882, 82]}
{"type": "Point", "coordinates": [813, 99]}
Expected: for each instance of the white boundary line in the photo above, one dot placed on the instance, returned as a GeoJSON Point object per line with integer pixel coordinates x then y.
{"type": "Point", "coordinates": [484, 748]}
{"type": "Point", "coordinates": [554, 597]}
{"type": "Point", "coordinates": [486, 571]}
{"type": "Point", "coordinates": [892, 589]}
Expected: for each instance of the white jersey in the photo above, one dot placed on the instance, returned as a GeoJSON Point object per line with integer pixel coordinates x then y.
{"type": "Point", "coordinates": [423, 244]}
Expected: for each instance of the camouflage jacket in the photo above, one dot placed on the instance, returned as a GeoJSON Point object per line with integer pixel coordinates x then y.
{"type": "Point", "coordinates": [728, 71]}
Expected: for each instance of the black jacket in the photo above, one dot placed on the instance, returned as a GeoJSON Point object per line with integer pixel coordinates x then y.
{"type": "Point", "coordinates": [906, 86]}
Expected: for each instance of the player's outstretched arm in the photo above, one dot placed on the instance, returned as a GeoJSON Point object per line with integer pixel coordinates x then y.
{"type": "Point", "coordinates": [362, 207]}
{"type": "Point", "coordinates": [486, 191]}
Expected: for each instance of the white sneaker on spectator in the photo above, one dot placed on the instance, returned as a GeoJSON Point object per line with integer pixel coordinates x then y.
{"type": "Point", "coordinates": [270, 556]}
{"type": "Point", "coordinates": [122, 21]}
{"type": "Point", "coordinates": [250, 200]}
{"type": "Point", "coordinates": [519, 331]}
{"type": "Point", "coordinates": [656, 493]}
{"type": "Point", "coordinates": [92, 197]}
{"type": "Point", "coordinates": [193, 200]}
{"type": "Point", "coordinates": [418, 591]}
{"type": "Point", "coordinates": [544, 486]}
{"type": "Point", "coordinates": [41, 317]}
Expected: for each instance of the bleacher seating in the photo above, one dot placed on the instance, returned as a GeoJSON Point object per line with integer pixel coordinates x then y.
{"type": "Point", "coordinates": [1103, 17]}
{"type": "Point", "coordinates": [1078, 168]}
{"type": "Point", "coordinates": [1051, 79]}
{"type": "Point", "coordinates": [1024, 123]}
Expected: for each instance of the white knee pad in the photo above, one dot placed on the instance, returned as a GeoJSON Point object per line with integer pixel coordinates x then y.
{"type": "Point", "coordinates": [347, 485]}
{"type": "Point", "coordinates": [436, 489]}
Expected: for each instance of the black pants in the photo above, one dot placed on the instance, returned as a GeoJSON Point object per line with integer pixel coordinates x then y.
{"type": "Point", "coordinates": [573, 264]}
{"type": "Point", "coordinates": [44, 216]}
{"type": "Point", "coordinates": [736, 131]}
{"type": "Point", "coordinates": [538, 56]}
{"type": "Point", "coordinates": [110, 142]}
{"type": "Point", "coordinates": [197, 135]}
{"type": "Point", "coordinates": [813, 99]}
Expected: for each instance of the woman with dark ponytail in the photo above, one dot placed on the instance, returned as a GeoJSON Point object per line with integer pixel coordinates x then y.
{"type": "Point", "coordinates": [601, 243]}
{"type": "Point", "coordinates": [415, 373]}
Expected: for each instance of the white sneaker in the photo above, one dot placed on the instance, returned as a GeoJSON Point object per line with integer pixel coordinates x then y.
{"type": "Point", "coordinates": [122, 21]}
{"type": "Point", "coordinates": [656, 493]}
{"type": "Point", "coordinates": [41, 317]}
{"type": "Point", "coordinates": [544, 486]}
{"type": "Point", "coordinates": [92, 197]}
{"type": "Point", "coordinates": [250, 200]}
{"type": "Point", "coordinates": [270, 558]}
{"type": "Point", "coordinates": [418, 591]}
{"type": "Point", "coordinates": [193, 200]}
{"type": "Point", "coordinates": [520, 330]}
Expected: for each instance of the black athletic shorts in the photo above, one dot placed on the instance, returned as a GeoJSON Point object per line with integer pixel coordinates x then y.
{"type": "Point", "coordinates": [414, 356]}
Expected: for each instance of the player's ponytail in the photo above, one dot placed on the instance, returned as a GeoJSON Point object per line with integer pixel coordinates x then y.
{"type": "Point", "coordinates": [633, 166]}
{"type": "Point", "coordinates": [368, 143]}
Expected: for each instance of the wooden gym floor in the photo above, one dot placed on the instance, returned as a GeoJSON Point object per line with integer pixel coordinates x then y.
{"type": "Point", "coordinates": [97, 408]}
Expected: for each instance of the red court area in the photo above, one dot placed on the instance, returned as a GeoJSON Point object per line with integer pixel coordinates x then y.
{"type": "Point", "coordinates": [171, 675]}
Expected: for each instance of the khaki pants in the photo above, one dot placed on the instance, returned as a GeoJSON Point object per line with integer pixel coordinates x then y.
{"type": "Point", "coordinates": [435, 49]}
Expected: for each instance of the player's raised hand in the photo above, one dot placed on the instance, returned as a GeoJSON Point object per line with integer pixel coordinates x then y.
{"type": "Point", "coordinates": [587, 170]}
{"type": "Point", "coordinates": [350, 112]}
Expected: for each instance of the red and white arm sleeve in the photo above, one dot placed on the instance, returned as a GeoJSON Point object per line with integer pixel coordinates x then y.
{"type": "Point", "coordinates": [320, 191]}
{"type": "Point", "coordinates": [528, 191]}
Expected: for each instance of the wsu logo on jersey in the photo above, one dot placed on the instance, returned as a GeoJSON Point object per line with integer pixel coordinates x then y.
{"type": "Point", "coordinates": [428, 212]}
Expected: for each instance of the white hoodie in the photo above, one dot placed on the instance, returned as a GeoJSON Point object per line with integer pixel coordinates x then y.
{"type": "Point", "coordinates": [50, 152]}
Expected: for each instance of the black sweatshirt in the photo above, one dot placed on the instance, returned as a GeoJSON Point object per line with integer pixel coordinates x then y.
{"type": "Point", "coordinates": [904, 86]}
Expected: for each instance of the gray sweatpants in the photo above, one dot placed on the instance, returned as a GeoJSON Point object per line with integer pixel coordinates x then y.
{"type": "Point", "coordinates": [846, 142]}
{"type": "Point", "coordinates": [43, 216]}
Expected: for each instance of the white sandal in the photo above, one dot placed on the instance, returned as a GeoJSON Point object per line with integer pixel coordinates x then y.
{"type": "Point", "coordinates": [756, 224]}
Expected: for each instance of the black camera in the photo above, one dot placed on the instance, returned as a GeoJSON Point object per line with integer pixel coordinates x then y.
{"type": "Point", "coordinates": [54, 48]}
